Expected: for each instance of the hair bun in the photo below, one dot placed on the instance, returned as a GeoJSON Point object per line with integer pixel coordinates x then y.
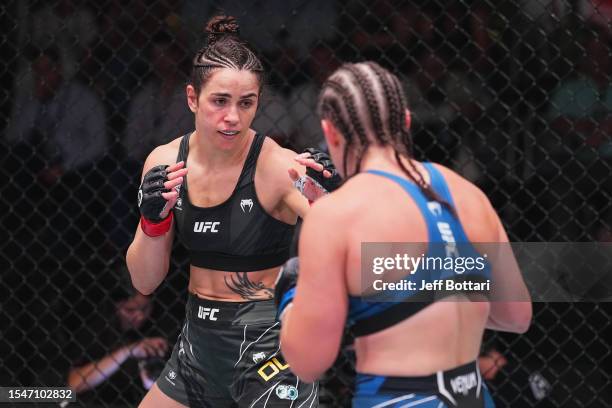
{"type": "Point", "coordinates": [220, 26]}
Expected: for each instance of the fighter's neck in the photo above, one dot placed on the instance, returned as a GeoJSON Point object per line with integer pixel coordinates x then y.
{"type": "Point", "coordinates": [211, 156]}
{"type": "Point", "coordinates": [383, 158]}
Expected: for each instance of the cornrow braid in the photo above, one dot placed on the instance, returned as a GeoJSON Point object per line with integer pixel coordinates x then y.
{"type": "Point", "coordinates": [224, 50]}
{"type": "Point", "coordinates": [337, 118]}
{"type": "Point", "coordinates": [362, 149]}
{"type": "Point", "coordinates": [397, 124]}
{"type": "Point", "coordinates": [340, 86]}
{"type": "Point", "coordinates": [395, 118]}
{"type": "Point", "coordinates": [363, 137]}
{"type": "Point", "coordinates": [353, 118]}
{"type": "Point", "coordinates": [405, 132]}
{"type": "Point", "coordinates": [332, 112]}
{"type": "Point", "coordinates": [351, 121]}
{"type": "Point", "coordinates": [344, 162]}
{"type": "Point", "coordinates": [406, 143]}
{"type": "Point", "coordinates": [393, 92]}
{"type": "Point", "coordinates": [214, 59]}
{"type": "Point", "coordinates": [354, 85]}
{"type": "Point", "coordinates": [332, 108]}
{"type": "Point", "coordinates": [365, 87]}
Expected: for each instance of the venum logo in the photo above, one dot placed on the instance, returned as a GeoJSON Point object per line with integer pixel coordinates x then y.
{"type": "Point", "coordinates": [201, 226]}
{"type": "Point", "coordinates": [258, 357]}
{"type": "Point", "coordinates": [246, 204]}
{"type": "Point", "coordinates": [464, 383]}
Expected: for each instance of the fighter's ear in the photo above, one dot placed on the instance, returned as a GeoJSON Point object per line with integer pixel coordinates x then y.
{"type": "Point", "coordinates": [192, 98]}
{"type": "Point", "coordinates": [408, 119]}
{"type": "Point", "coordinates": [332, 136]}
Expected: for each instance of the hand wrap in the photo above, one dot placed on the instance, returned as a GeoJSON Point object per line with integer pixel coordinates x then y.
{"type": "Point", "coordinates": [151, 203]}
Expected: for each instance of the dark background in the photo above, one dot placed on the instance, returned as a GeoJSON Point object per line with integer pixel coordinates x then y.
{"type": "Point", "coordinates": [514, 95]}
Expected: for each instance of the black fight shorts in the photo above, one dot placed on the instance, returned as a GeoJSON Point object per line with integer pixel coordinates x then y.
{"type": "Point", "coordinates": [228, 355]}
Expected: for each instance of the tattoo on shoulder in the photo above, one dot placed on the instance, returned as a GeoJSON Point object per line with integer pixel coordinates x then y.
{"type": "Point", "coordinates": [240, 283]}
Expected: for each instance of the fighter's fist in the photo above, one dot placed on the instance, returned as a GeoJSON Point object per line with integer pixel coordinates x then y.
{"type": "Point", "coordinates": [328, 176]}
{"type": "Point", "coordinates": [157, 193]}
{"type": "Point", "coordinates": [321, 174]}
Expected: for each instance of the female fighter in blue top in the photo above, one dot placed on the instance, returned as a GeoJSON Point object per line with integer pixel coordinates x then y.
{"type": "Point", "coordinates": [413, 347]}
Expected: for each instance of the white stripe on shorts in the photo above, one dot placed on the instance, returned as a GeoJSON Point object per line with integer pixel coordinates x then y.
{"type": "Point", "coordinates": [419, 402]}
{"type": "Point", "coordinates": [309, 395]}
{"type": "Point", "coordinates": [243, 340]}
{"type": "Point", "coordinates": [253, 342]}
{"type": "Point", "coordinates": [268, 391]}
{"type": "Point", "coordinates": [393, 401]}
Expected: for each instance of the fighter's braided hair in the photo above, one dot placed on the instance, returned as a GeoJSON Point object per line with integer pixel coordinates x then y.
{"type": "Point", "coordinates": [224, 49]}
{"type": "Point", "coordinates": [365, 102]}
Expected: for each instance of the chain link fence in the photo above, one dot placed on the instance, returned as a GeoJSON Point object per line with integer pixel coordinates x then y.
{"type": "Point", "coordinates": [514, 95]}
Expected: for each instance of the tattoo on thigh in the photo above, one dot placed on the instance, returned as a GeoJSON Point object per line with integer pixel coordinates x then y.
{"type": "Point", "coordinates": [241, 284]}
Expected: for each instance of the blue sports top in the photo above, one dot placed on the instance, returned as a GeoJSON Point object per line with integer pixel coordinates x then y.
{"type": "Point", "coordinates": [373, 313]}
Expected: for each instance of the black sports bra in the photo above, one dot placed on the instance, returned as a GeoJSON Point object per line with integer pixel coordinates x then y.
{"type": "Point", "coordinates": [237, 235]}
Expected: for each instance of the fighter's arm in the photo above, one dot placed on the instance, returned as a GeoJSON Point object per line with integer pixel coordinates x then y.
{"type": "Point", "coordinates": [313, 325]}
{"type": "Point", "coordinates": [148, 257]}
{"type": "Point", "coordinates": [511, 308]}
{"type": "Point", "coordinates": [281, 161]}
{"type": "Point", "coordinates": [313, 171]}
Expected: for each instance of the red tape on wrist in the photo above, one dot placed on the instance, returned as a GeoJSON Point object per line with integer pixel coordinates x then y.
{"type": "Point", "coordinates": [155, 230]}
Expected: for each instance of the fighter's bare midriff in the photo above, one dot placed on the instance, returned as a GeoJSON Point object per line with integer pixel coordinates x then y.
{"type": "Point", "coordinates": [217, 285]}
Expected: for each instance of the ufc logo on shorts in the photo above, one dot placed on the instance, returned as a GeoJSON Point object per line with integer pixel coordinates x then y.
{"type": "Point", "coordinates": [201, 226]}
{"type": "Point", "coordinates": [207, 312]}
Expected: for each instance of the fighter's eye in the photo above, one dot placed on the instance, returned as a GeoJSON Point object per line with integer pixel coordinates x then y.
{"type": "Point", "coordinates": [247, 103]}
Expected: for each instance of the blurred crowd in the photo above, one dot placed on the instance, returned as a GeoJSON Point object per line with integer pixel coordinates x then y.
{"type": "Point", "coordinates": [516, 97]}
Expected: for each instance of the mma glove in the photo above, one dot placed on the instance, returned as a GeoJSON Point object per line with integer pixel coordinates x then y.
{"type": "Point", "coordinates": [151, 203]}
{"type": "Point", "coordinates": [328, 184]}
{"type": "Point", "coordinates": [284, 291]}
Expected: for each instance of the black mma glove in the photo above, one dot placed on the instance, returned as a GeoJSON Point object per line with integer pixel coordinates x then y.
{"type": "Point", "coordinates": [284, 291]}
{"type": "Point", "coordinates": [150, 200]}
{"type": "Point", "coordinates": [329, 184]}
